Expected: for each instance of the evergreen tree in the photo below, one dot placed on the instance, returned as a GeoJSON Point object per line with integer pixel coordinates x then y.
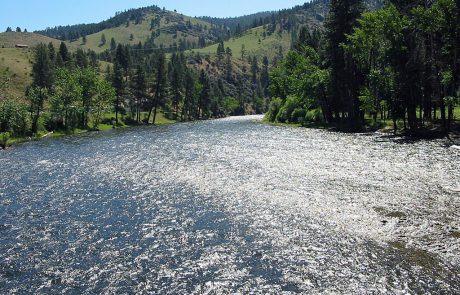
{"type": "Point", "coordinates": [160, 85]}
{"type": "Point", "coordinates": [113, 44]}
{"type": "Point", "coordinates": [264, 76]}
{"type": "Point", "coordinates": [139, 87]}
{"type": "Point", "coordinates": [43, 79]}
{"type": "Point", "coordinates": [177, 79]}
{"type": "Point", "coordinates": [64, 53]}
{"type": "Point", "coordinates": [81, 59]}
{"type": "Point", "coordinates": [345, 77]}
{"type": "Point", "coordinates": [103, 40]}
{"type": "Point", "coordinates": [205, 95]}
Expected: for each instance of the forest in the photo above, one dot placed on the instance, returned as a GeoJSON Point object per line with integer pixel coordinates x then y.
{"type": "Point", "coordinates": [74, 91]}
{"type": "Point", "coordinates": [400, 64]}
{"type": "Point", "coordinates": [369, 67]}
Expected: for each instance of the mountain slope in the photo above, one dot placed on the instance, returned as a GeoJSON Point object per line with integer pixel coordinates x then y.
{"type": "Point", "coordinates": [159, 28]}
{"type": "Point", "coordinates": [10, 39]}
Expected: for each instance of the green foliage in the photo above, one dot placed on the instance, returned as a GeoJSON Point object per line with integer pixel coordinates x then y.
{"type": "Point", "coordinates": [14, 118]}
{"type": "Point", "coordinates": [367, 101]}
{"type": "Point", "coordinates": [273, 109]}
{"type": "Point", "coordinates": [66, 102]}
{"type": "Point", "coordinates": [4, 137]}
{"type": "Point", "coordinates": [314, 116]}
{"type": "Point", "coordinates": [293, 103]}
{"type": "Point", "coordinates": [101, 101]}
{"type": "Point", "coordinates": [231, 104]}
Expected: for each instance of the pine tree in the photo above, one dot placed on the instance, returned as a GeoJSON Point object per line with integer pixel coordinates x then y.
{"type": "Point", "coordinates": [205, 95]}
{"type": "Point", "coordinates": [103, 40]}
{"type": "Point", "coordinates": [113, 44]}
{"type": "Point", "coordinates": [160, 85]}
{"type": "Point", "coordinates": [345, 82]}
{"type": "Point", "coordinates": [139, 87]}
{"type": "Point", "coordinates": [64, 53]}
{"type": "Point", "coordinates": [43, 79]}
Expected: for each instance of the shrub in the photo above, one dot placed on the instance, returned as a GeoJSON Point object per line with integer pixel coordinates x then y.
{"type": "Point", "coordinates": [4, 137]}
{"type": "Point", "coordinates": [285, 113]}
{"type": "Point", "coordinates": [298, 115]}
{"type": "Point", "coordinates": [314, 116]}
{"type": "Point", "coordinates": [13, 117]}
{"type": "Point", "coordinates": [273, 109]}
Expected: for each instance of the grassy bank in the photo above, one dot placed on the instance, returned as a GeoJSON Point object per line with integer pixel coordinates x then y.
{"type": "Point", "coordinates": [161, 119]}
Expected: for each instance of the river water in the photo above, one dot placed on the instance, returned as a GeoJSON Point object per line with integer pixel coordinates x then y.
{"type": "Point", "coordinates": [229, 206]}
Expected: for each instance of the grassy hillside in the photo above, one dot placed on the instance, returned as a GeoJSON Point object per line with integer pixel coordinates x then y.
{"type": "Point", "coordinates": [10, 39]}
{"type": "Point", "coordinates": [254, 44]}
{"type": "Point", "coordinates": [171, 28]}
{"type": "Point", "coordinates": [15, 65]}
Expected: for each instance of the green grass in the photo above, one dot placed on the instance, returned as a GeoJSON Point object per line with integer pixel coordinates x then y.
{"type": "Point", "coordinates": [141, 32]}
{"type": "Point", "coordinates": [15, 65]}
{"type": "Point", "coordinates": [10, 39]}
{"type": "Point", "coordinates": [267, 46]}
{"type": "Point", "coordinates": [160, 120]}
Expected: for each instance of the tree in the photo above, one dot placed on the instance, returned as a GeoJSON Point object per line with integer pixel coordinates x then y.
{"type": "Point", "coordinates": [43, 79]}
{"type": "Point", "coordinates": [118, 84]}
{"type": "Point", "coordinates": [176, 78]}
{"type": "Point", "coordinates": [160, 85]}
{"type": "Point", "coordinates": [188, 110]}
{"type": "Point", "coordinates": [81, 59]}
{"type": "Point", "coordinates": [264, 75]}
{"type": "Point", "coordinates": [139, 89]}
{"type": "Point", "coordinates": [18, 30]}
{"type": "Point", "coordinates": [103, 40]}
{"type": "Point", "coordinates": [102, 100]}
{"type": "Point", "coordinates": [88, 81]}
{"type": "Point", "coordinates": [64, 53]}
{"type": "Point", "coordinates": [205, 95]}
{"type": "Point", "coordinates": [113, 44]}
{"type": "Point", "coordinates": [220, 50]}
{"type": "Point", "coordinates": [8, 29]}
{"type": "Point", "coordinates": [345, 79]}
{"type": "Point", "coordinates": [66, 101]}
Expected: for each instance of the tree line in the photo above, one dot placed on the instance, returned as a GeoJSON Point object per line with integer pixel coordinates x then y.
{"type": "Point", "coordinates": [72, 90]}
{"type": "Point", "coordinates": [400, 62]}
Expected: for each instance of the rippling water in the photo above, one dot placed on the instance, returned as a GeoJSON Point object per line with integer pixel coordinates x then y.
{"type": "Point", "coordinates": [229, 206]}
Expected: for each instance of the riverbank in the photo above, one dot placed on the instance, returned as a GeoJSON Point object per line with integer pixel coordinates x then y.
{"type": "Point", "coordinates": [383, 127]}
{"type": "Point", "coordinates": [7, 141]}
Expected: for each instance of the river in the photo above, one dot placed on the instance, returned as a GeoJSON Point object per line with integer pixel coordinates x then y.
{"type": "Point", "coordinates": [229, 206]}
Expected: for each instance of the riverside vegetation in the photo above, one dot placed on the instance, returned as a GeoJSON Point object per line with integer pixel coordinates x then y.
{"type": "Point", "coordinates": [397, 65]}
{"type": "Point", "coordinates": [361, 65]}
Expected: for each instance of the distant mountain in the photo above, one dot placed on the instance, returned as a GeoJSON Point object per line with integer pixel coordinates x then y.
{"type": "Point", "coordinates": [156, 27]}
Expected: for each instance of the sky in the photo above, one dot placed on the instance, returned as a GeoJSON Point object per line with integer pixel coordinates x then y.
{"type": "Point", "coordinates": [39, 14]}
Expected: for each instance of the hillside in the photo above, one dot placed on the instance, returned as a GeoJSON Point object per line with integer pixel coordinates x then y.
{"type": "Point", "coordinates": [159, 28]}
{"type": "Point", "coordinates": [15, 63]}
{"type": "Point", "coordinates": [10, 39]}
{"type": "Point", "coordinates": [255, 41]}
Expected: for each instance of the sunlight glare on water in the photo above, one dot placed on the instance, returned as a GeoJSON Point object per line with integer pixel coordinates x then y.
{"type": "Point", "coordinates": [229, 205]}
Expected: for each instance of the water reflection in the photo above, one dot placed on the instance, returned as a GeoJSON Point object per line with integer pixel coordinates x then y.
{"type": "Point", "coordinates": [229, 206]}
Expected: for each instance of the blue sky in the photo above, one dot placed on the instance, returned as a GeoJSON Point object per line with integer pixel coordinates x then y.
{"type": "Point", "coordinates": [39, 14]}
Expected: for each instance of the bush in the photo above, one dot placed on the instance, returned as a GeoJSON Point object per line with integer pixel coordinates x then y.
{"type": "Point", "coordinates": [314, 116]}
{"type": "Point", "coordinates": [13, 117]}
{"type": "Point", "coordinates": [231, 105]}
{"type": "Point", "coordinates": [298, 115]}
{"type": "Point", "coordinates": [273, 109]}
{"type": "Point", "coordinates": [285, 113]}
{"type": "Point", "coordinates": [4, 137]}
